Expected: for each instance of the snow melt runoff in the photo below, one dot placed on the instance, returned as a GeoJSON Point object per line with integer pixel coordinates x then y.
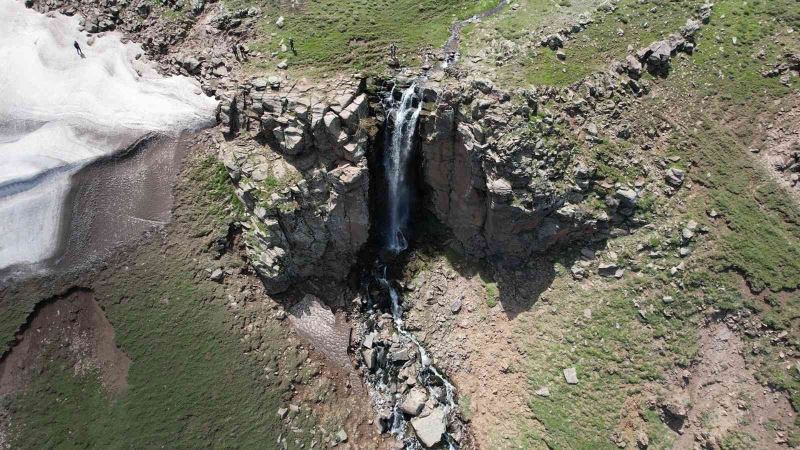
{"type": "Point", "coordinates": [60, 110]}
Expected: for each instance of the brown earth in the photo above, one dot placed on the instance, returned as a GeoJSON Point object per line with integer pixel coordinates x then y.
{"type": "Point", "coordinates": [721, 394]}
{"type": "Point", "coordinates": [474, 344]}
{"type": "Point", "coordinates": [777, 141]}
{"type": "Point", "coordinates": [73, 327]}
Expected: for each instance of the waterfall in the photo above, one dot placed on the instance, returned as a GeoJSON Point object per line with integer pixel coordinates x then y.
{"type": "Point", "coordinates": [399, 147]}
{"type": "Point", "coordinates": [396, 159]}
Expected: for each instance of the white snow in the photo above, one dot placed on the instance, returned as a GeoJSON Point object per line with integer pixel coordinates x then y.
{"type": "Point", "coordinates": [59, 111]}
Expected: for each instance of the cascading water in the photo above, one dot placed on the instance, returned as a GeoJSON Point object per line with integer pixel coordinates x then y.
{"type": "Point", "coordinates": [396, 160]}
{"type": "Point", "coordinates": [428, 370]}
{"type": "Point", "coordinates": [388, 339]}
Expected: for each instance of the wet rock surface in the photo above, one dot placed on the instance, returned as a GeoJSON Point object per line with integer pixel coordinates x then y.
{"type": "Point", "coordinates": [411, 397]}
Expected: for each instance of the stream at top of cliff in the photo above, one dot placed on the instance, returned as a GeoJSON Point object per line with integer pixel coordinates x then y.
{"type": "Point", "coordinates": [450, 48]}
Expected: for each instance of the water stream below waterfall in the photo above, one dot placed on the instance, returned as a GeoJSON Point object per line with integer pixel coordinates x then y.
{"type": "Point", "coordinates": [415, 400]}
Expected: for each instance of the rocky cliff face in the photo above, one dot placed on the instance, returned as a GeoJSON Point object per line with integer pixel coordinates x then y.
{"type": "Point", "coordinates": [501, 177]}
{"type": "Point", "coordinates": [499, 180]}
{"type": "Point", "coordinates": [300, 169]}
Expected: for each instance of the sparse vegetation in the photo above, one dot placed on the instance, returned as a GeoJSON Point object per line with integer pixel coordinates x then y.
{"type": "Point", "coordinates": [492, 292]}
{"type": "Point", "coordinates": [592, 50]}
{"type": "Point", "coordinates": [464, 406]}
{"type": "Point", "coordinates": [737, 440]}
{"type": "Point", "coordinates": [219, 205]}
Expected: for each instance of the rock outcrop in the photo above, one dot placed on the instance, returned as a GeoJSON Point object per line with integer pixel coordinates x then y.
{"type": "Point", "coordinates": [505, 178]}
{"type": "Point", "coordinates": [302, 177]}
{"type": "Point", "coordinates": [498, 180]}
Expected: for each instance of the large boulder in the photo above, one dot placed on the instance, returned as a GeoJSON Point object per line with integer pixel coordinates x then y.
{"type": "Point", "coordinates": [431, 428]}
{"type": "Point", "coordinates": [414, 401]}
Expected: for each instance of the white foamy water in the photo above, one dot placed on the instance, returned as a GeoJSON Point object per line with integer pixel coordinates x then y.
{"type": "Point", "coordinates": [397, 158]}
{"type": "Point", "coordinates": [60, 111]}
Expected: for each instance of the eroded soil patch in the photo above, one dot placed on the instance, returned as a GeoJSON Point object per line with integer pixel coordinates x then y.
{"type": "Point", "coordinates": [74, 327]}
{"type": "Point", "coordinates": [329, 333]}
{"type": "Point", "coordinates": [468, 326]}
{"type": "Point", "coordinates": [777, 144]}
{"type": "Point", "coordinates": [724, 401]}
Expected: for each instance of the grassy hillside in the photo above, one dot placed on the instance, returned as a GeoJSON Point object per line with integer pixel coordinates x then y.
{"type": "Point", "coordinates": [745, 268]}
{"type": "Point", "coordinates": [334, 35]}
{"type": "Point", "coordinates": [191, 383]}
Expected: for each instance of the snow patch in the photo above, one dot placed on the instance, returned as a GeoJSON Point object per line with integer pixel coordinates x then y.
{"type": "Point", "coordinates": [60, 111]}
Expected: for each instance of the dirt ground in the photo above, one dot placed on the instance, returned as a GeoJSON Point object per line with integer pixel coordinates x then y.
{"type": "Point", "coordinates": [474, 344]}
{"type": "Point", "coordinates": [73, 327]}
{"type": "Point", "coordinates": [721, 394]}
{"type": "Point", "coordinates": [778, 142]}
{"type": "Point", "coordinates": [477, 345]}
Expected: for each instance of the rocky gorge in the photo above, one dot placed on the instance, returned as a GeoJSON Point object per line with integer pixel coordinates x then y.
{"type": "Point", "coordinates": [303, 171]}
{"type": "Point", "coordinates": [475, 257]}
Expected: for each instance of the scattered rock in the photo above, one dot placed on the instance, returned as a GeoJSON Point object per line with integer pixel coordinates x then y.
{"type": "Point", "coordinates": [259, 84]}
{"type": "Point", "coordinates": [282, 412]}
{"type": "Point", "coordinates": [543, 392]}
{"type": "Point", "coordinates": [642, 440]}
{"type": "Point", "coordinates": [217, 275]}
{"type": "Point", "coordinates": [274, 82]}
{"type": "Point", "coordinates": [554, 41]}
{"type": "Point", "coordinates": [571, 375]}
{"type": "Point", "coordinates": [674, 414]}
{"type": "Point", "coordinates": [607, 269]}
{"type": "Point", "coordinates": [674, 177]}
{"type": "Point", "coordinates": [627, 197]}
{"type": "Point", "coordinates": [414, 401]}
{"type": "Point", "coordinates": [369, 358]}
{"type": "Point", "coordinates": [191, 64]}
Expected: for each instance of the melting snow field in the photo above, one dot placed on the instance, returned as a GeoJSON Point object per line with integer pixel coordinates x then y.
{"type": "Point", "coordinates": [60, 111]}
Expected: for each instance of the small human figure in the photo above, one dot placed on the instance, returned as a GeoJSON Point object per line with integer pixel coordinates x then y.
{"type": "Point", "coordinates": [393, 61]}
{"type": "Point", "coordinates": [291, 46]}
{"type": "Point", "coordinates": [78, 48]}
